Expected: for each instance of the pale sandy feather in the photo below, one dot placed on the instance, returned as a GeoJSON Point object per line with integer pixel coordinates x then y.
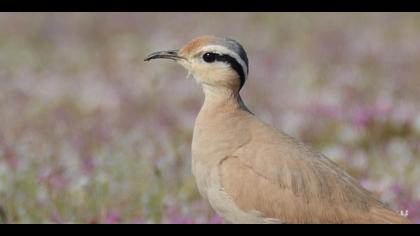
{"type": "Point", "coordinates": [263, 170]}
{"type": "Point", "coordinates": [253, 173]}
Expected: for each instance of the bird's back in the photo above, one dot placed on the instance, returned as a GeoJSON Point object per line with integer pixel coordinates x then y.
{"type": "Point", "coordinates": [263, 170]}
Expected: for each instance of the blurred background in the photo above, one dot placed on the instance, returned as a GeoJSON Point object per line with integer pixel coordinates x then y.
{"type": "Point", "coordinates": [90, 133]}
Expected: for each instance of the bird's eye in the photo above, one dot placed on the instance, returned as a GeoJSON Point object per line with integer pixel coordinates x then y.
{"type": "Point", "coordinates": [209, 57]}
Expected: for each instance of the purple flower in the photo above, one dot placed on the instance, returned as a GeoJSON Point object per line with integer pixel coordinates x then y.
{"type": "Point", "coordinates": [54, 180]}
{"type": "Point", "coordinates": [56, 217]}
{"type": "Point", "coordinates": [384, 107]}
{"type": "Point", "coordinates": [362, 116]}
{"type": "Point", "coordinates": [88, 165]}
{"type": "Point", "coordinates": [174, 216]}
{"type": "Point", "coordinates": [113, 218]}
{"type": "Point", "coordinates": [216, 219]}
{"type": "Point", "coordinates": [329, 111]}
{"type": "Point", "coordinates": [182, 220]}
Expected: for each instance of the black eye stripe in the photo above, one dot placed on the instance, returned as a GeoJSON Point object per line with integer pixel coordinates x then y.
{"type": "Point", "coordinates": [210, 57]}
{"type": "Point", "coordinates": [234, 64]}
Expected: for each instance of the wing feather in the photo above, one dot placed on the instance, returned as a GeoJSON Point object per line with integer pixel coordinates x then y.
{"type": "Point", "coordinates": [288, 181]}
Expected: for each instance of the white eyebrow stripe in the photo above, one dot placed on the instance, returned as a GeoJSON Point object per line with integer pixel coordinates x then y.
{"type": "Point", "coordinates": [223, 50]}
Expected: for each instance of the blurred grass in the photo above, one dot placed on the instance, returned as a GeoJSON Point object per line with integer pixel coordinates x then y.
{"type": "Point", "coordinates": [89, 133]}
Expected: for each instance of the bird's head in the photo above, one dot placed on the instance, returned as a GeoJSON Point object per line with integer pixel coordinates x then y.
{"type": "Point", "coordinates": [213, 61]}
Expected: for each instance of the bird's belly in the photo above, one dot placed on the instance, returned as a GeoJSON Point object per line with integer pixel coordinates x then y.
{"type": "Point", "coordinates": [210, 186]}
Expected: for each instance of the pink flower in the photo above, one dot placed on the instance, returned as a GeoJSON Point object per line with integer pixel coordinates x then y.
{"type": "Point", "coordinates": [362, 116]}
{"type": "Point", "coordinates": [384, 106]}
{"type": "Point", "coordinates": [216, 219]}
{"type": "Point", "coordinates": [113, 218]}
{"type": "Point", "coordinates": [182, 220]}
{"type": "Point", "coordinates": [56, 217]}
{"type": "Point", "coordinates": [324, 110]}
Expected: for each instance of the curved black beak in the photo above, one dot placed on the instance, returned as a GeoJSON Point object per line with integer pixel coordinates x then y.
{"type": "Point", "coordinates": [173, 55]}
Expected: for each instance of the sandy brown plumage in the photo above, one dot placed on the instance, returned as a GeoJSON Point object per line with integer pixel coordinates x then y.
{"type": "Point", "coordinates": [251, 172]}
{"type": "Point", "coordinates": [264, 170]}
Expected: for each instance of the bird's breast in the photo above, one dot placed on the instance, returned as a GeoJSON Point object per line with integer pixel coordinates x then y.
{"type": "Point", "coordinates": [212, 142]}
{"type": "Point", "coordinates": [209, 183]}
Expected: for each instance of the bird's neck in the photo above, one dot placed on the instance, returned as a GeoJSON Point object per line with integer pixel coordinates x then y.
{"type": "Point", "coordinates": [221, 99]}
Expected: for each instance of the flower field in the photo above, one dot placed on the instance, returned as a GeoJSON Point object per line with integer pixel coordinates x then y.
{"type": "Point", "coordinates": [90, 133]}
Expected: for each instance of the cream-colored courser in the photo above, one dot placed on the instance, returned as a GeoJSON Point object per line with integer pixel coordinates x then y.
{"type": "Point", "coordinates": [251, 172]}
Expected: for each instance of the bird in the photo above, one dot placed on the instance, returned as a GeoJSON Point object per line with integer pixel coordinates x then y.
{"type": "Point", "coordinates": [251, 172]}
